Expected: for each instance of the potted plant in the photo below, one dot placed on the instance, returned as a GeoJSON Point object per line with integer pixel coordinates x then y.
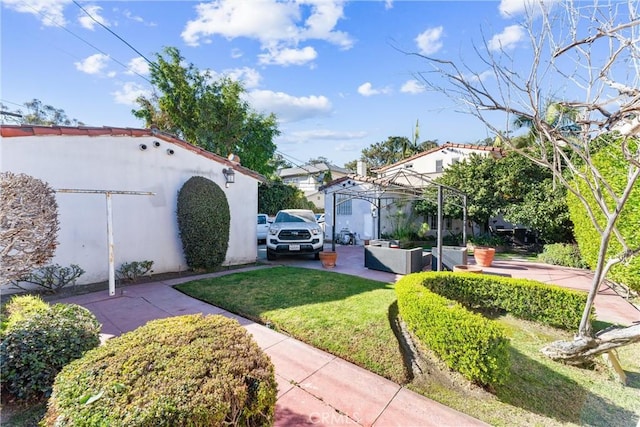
{"type": "Point", "coordinates": [484, 248]}
{"type": "Point", "coordinates": [328, 258]}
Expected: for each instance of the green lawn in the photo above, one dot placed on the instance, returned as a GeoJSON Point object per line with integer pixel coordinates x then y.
{"type": "Point", "coordinates": [351, 317]}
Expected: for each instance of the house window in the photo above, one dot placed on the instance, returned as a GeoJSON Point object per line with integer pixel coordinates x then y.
{"type": "Point", "coordinates": [438, 165]}
{"type": "Point", "coordinates": [455, 160]}
{"type": "Point", "coordinates": [433, 222]}
{"type": "Point", "coordinates": [343, 203]}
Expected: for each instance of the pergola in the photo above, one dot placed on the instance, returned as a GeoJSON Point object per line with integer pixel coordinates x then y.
{"type": "Point", "coordinates": [404, 183]}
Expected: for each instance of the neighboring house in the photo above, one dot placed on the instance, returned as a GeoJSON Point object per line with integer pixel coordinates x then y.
{"type": "Point", "coordinates": [309, 178]}
{"type": "Point", "coordinates": [123, 159]}
{"type": "Point", "coordinates": [360, 200]}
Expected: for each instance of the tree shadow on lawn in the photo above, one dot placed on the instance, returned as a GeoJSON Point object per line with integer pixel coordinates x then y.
{"type": "Point", "coordinates": [557, 396]}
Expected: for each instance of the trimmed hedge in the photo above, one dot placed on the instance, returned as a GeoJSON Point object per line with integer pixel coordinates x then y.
{"type": "Point", "coordinates": [188, 370]}
{"type": "Point", "coordinates": [203, 221]}
{"type": "Point", "coordinates": [526, 299]}
{"type": "Point", "coordinates": [467, 342]}
{"type": "Point", "coordinates": [41, 342]}
{"type": "Point", "coordinates": [612, 165]}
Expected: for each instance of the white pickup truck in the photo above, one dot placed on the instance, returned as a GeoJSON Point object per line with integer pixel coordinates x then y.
{"type": "Point", "coordinates": [294, 232]}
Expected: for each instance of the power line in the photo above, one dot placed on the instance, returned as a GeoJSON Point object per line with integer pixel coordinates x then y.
{"type": "Point", "coordinates": [89, 43]}
{"type": "Point", "coordinates": [153, 64]}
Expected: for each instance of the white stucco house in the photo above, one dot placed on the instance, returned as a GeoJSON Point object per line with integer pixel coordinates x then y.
{"type": "Point", "coordinates": [309, 179]}
{"type": "Point", "coordinates": [370, 206]}
{"type": "Point", "coordinates": [127, 160]}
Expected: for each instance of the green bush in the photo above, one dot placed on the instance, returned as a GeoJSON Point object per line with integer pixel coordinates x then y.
{"type": "Point", "coordinates": [190, 370]}
{"type": "Point", "coordinates": [523, 298]}
{"type": "Point", "coordinates": [132, 271]}
{"type": "Point", "coordinates": [203, 222]}
{"type": "Point", "coordinates": [487, 239]}
{"type": "Point", "coordinates": [51, 277]}
{"type": "Point", "coordinates": [564, 254]}
{"type": "Point", "coordinates": [19, 308]}
{"type": "Point", "coordinates": [35, 348]}
{"type": "Point", "coordinates": [611, 163]}
{"type": "Point", "coordinates": [467, 342]}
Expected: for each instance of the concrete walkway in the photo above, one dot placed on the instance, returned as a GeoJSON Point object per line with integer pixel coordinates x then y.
{"type": "Point", "coordinates": [315, 387]}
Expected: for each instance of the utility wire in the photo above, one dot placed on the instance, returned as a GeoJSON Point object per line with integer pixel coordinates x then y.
{"type": "Point", "coordinates": [153, 64]}
{"type": "Point", "coordinates": [89, 43]}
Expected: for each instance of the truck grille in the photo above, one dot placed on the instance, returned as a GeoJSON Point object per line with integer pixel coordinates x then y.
{"type": "Point", "coordinates": [294, 235]}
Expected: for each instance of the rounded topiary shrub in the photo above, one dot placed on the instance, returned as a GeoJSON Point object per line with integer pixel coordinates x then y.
{"type": "Point", "coordinates": [203, 222]}
{"type": "Point", "coordinates": [36, 348]}
{"type": "Point", "coordinates": [190, 370]}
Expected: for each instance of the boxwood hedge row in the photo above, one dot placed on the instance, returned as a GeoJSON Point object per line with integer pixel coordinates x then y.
{"type": "Point", "coordinates": [189, 370]}
{"type": "Point", "coordinates": [526, 299]}
{"type": "Point", "coordinates": [467, 342]}
{"type": "Point", "coordinates": [433, 307]}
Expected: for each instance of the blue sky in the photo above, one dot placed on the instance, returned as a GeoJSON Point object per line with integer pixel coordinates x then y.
{"type": "Point", "coordinates": [334, 72]}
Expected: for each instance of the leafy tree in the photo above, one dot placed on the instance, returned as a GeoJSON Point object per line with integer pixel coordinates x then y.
{"type": "Point", "coordinates": [605, 94]}
{"type": "Point", "coordinates": [388, 152]}
{"type": "Point", "coordinates": [276, 195]}
{"type": "Point", "coordinates": [38, 113]}
{"type": "Point", "coordinates": [476, 176]}
{"type": "Point", "coordinates": [208, 113]}
{"type": "Point", "coordinates": [512, 186]}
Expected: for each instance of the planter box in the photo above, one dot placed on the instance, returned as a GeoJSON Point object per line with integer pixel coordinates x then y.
{"type": "Point", "coordinates": [393, 260]}
{"type": "Point", "coordinates": [451, 255]}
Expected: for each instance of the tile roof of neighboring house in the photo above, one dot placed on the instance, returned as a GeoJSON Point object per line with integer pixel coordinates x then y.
{"type": "Point", "coordinates": [442, 147]}
{"type": "Point", "coordinates": [9, 131]}
{"type": "Point", "coordinates": [310, 169]}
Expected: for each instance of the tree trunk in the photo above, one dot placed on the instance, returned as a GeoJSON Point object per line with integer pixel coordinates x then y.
{"type": "Point", "coordinates": [582, 350]}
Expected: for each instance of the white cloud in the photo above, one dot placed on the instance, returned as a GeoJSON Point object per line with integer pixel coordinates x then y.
{"type": "Point", "coordinates": [366, 89]}
{"type": "Point", "coordinates": [49, 12]}
{"type": "Point", "coordinates": [129, 92]}
{"type": "Point", "coordinates": [429, 41]}
{"type": "Point", "coordinates": [325, 134]}
{"type": "Point", "coordinates": [279, 26]}
{"type": "Point", "coordinates": [93, 64]}
{"type": "Point", "coordinates": [249, 77]}
{"type": "Point", "coordinates": [288, 56]}
{"type": "Point", "coordinates": [236, 53]}
{"type": "Point", "coordinates": [479, 77]}
{"type": "Point", "coordinates": [289, 108]}
{"type": "Point", "coordinates": [507, 39]}
{"type": "Point", "coordinates": [127, 14]}
{"type": "Point", "coordinates": [87, 22]}
{"type": "Point", "coordinates": [138, 65]}
{"type": "Point", "coordinates": [412, 86]}
{"type": "Point", "coordinates": [513, 8]}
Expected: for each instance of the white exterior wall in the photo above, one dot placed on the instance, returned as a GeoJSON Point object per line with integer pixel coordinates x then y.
{"type": "Point", "coordinates": [144, 227]}
{"type": "Point", "coordinates": [427, 164]}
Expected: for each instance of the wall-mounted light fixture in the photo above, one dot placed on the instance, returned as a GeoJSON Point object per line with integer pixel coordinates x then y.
{"type": "Point", "coordinates": [156, 144]}
{"type": "Point", "coordinates": [142, 147]}
{"type": "Point", "coordinates": [170, 151]}
{"type": "Point", "coordinates": [229, 176]}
